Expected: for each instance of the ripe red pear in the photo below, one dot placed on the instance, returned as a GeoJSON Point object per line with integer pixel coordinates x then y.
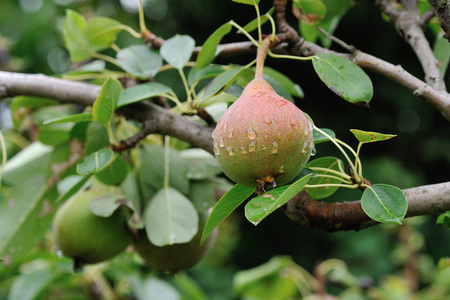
{"type": "Point", "coordinates": [262, 137]}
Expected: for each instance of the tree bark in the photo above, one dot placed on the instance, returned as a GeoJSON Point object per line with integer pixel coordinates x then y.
{"type": "Point", "coordinates": [422, 200]}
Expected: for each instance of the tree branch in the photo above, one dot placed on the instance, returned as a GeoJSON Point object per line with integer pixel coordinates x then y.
{"type": "Point", "coordinates": [410, 26]}
{"type": "Point", "coordinates": [441, 9]}
{"type": "Point", "coordinates": [422, 200]}
{"type": "Point", "coordinates": [345, 216]}
{"type": "Point", "coordinates": [157, 119]}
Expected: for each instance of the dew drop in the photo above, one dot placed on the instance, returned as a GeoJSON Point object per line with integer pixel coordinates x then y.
{"type": "Point", "coordinates": [255, 86]}
{"type": "Point", "coordinates": [281, 170]}
{"type": "Point", "coordinates": [252, 146]}
{"type": "Point", "coordinates": [311, 126]}
{"type": "Point", "coordinates": [293, 122]}
{"type": "Point", "coordinates": [230, 133]}
{"type": "Point", "coordinates": [251, 133]}
{"type": "Point", "coordinates": [306, 131]}
{"type": "Point", "coordinates": [216, 149]}
{"type": "Point", "coordinates": [305, 147]}
{"type": "Point", "coordinates": [275, 147]}
{"type": "Point", "coordinates": [242, 149]}
{"type": "Point", "coordinates": [229, 150]}
{"type": "Point", "coordinates": [313, 148]}
{"type": "Point", "coordinates": [59, 253]}
{"type": "Point", "coordinates": [221, 143]}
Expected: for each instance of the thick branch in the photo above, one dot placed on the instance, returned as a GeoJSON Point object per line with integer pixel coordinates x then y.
{"type": "Point", "coordinates": [344, 216]}
{"type": "Point", "coordinates": [441, 9]}
{"type": "Point", "coordinates": [160, 120]}
{"type": "Point", "coordinates": [410, 26]}
{"type": "Point", "coordinates": [422, 200]}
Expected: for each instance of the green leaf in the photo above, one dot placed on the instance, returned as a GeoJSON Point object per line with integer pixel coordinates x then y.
{"type": "Point", "coordinates": [78, 118]}
{"type": "Point", "coordinates": [106, 204]}
{"type": "Point", "coordinates": [202, 164]}
{"type": "Point", "coordinates": [291, 87]}
{"type": "Point", "coordinates": [209, 48]}
{"type": "Point", "coordinates": [384, 203]}
{"type": "Point", "coordinates": [253, 25]}
{"type": "Point", "coordinates": [70, 185]}
{"type": "Point", "coordinates": [320, 138]}
{"type": "Point", "coordinates": [115, 173]}
{"type": "Point", "coordinates": [105, 105]}
{"type": "Point", "coordinates": [152, 288]}
{"type": "Point", "coordinates": [225, 206]}
{"type": "Point", "coordinates": [444, 219]}
{"type": "Point", "coordinates": [75, 36]}
{"type": "Point", "coordinates": [344, 78]}
{"type": "Point", "coordinates": [22, 214]}
{"type": "Point", "coordinates": [441, 50]}
{"type": "Point", "coordinates": [328, 163]}
{"type": "Point", "coordinates": [221, 82]}
{"type": "Point", "coordinates": [258, 208]}
{"type": "Point", "coordinates": [28, 286]}
{"type": "Point", "coordinates": [170, 218]}
{"type": "Point", "coordinates": [141, 92]}
{"type": "Point", "coordinates": [370, 136]}
{"type": "Point", "coordinates": [152, 168]}
{"type": "Point", "coordinates": [96, 137]}
{"type": "Point", "coordinates": [139, 61]}
{"type": "Point", "coordinates": [203, 193]}
{"type": "Point", "coordinates": [177, 51]}
{"type": "Point", "coordinates": [249, 2]}
{"type": "Point", "coordinates": [55, 134]}
{"type": "Point", "coordinates": [102, 32]}
{"type": "Point", "coordinates": [95, 162]}
{"type": "Point", "coordinates": [32, 102]}
{"type": "Point", "coordinates": [310, 12]}
{"type": "Point", "coordinates": [195, 75]}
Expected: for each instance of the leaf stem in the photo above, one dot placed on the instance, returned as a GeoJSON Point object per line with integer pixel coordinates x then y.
{"type": "Point", "coordinates": [258, 18]}
{"type": "Point", "coordinates": [141, 17]}
{"type": "Point", "coordinates": [241, 29]}
{"type": "Point", "coordinates": [166, 161]}
{"type": "Point", "coordinates": [104, 57]}
{"type": "Point", "coordinates": [358, 162]}
{"type": "Point", "coordinates": [3, 145]}
{"type": "Point", "coordinates": [353, 186]}
{"type": "Point", "coordinates": [342, 175]}
{"type": "Point", "coordinates": [343, 180]}
{"type": "Point", "coordinates": [271, 54]}
{"type": "Point", "coordinates": [334, 141]}
{"type": "Point", "coordinates": [186, 87]}
{"type": "Point", "coordinates": [130, 30]}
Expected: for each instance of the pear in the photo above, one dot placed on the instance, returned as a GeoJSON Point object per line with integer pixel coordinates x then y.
{"type": "Point", "coordinates": [262, 137]}
{"type": "Point", "coordinates": [176, 257]}
{"type": "Point", "coordinates": [86, 237]}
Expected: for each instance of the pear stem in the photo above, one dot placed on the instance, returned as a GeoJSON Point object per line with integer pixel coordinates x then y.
{"type": "Point", "coordinates": [261, 54]}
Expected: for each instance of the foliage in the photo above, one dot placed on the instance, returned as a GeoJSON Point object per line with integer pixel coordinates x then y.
{"type": "Point", "coordinates": [166, 183]}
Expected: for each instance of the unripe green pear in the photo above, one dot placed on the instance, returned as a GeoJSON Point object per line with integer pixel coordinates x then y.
{"type": "Point", "coordinates": [176, 257]}
{"type": "Point", "coordinates": [86, 237]}
{"type": "Point", "coordinates": [262, 137]}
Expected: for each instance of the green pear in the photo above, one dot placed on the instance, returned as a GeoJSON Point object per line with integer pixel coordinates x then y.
{"type": "Point", "coordinates": [176, 257]}
{"type": "Point", "coordinates": [86, 237]}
